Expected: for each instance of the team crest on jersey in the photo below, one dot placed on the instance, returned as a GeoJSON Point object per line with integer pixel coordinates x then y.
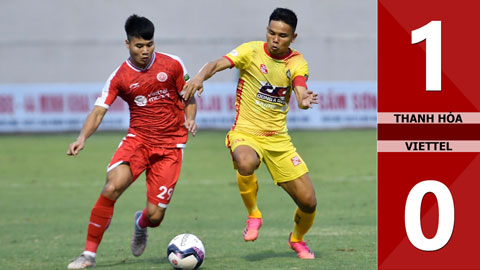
{"type": "Point", "coordinates": [162, 76]}
{"type": "Point", "coordinates": [263, 69]}
{"type": "Point", "coordinates": [140, 101]}
{"type": "Point", "coordinates": [134, 85]}
{"type": "Point", "coordinates": [296, 161]}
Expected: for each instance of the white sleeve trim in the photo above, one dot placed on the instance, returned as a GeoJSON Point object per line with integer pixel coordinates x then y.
{"type": "Point", "coordinates": [101, 100]}
{"type": "Point", "coordinates": [101, 103]}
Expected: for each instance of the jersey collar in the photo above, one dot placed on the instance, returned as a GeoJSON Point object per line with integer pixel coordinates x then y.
{"type": "Point", "coordinates": [276, 57]}
{"type": "Point", "coordinates": [132, 66]}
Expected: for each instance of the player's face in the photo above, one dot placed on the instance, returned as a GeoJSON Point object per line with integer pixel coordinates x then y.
{"type": "Point", "coordinates": [141, 51]}
{"type": "Point", "coordinates": [279, 37]}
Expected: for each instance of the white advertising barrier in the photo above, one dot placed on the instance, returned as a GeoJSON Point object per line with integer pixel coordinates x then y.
{"type": "Point", "coordinates": [64, 107]}
{"type": "Point", "coordinates": [341, 105]}
{"type": "Point", "coordinates": [55, 107]}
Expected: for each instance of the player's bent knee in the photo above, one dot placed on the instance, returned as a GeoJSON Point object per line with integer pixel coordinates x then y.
{"type": "Point", "coordinates": [111, 191]}
{"type": "Point", "coordinates": [246, 170]}
{"type": "Point", "coordinates": [308, 205]}
{"type": "Point", "coordinates": [246, 166]}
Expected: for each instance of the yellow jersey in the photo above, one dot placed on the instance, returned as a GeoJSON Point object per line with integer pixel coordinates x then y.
{"type": "Point", "coordinates": [264, 87]}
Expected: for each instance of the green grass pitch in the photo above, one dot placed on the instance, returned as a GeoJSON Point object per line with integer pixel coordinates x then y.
{"type": "Point", "coordinates": [46, 198]}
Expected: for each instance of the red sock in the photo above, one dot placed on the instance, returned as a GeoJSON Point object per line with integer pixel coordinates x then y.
{"type": "Point", "coordinates": [100, 218]}
{"type": "Point", "coordinates": [144, 222]}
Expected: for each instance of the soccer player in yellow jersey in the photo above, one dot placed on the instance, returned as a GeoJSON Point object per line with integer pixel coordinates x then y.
{"type": "Point", "coordinates": [268, 73]}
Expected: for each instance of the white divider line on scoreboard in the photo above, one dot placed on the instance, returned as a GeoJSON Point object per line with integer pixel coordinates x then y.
{"type": "Point", "coordinates": [428, 146]}
{"type": "Point", "coordinates": [428, 117]}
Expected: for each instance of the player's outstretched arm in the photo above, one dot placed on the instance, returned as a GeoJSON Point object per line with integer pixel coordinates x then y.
{"type": "Point", "coordinates": [190, 114]}
{"type": "Point", "coordinates": [305, 98]}
{"type": "Point", "coordinates": [91, 124]}
{"type": "Point", "coordinates": [207, 71]}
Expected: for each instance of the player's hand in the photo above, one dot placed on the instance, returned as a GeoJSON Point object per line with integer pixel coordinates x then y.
{"type": "Point", "coordinates": [309, 98]}
{"type": "Point", "coordinates": [75, 147]}
{"type": "Point", "coordinates": [190, 88]}
{"type": "Point", "coordinates": [191, 126]}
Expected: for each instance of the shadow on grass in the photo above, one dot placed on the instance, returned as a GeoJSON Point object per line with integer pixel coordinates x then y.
{"type": "Point", "coordinates": [134, 263]}
{"type": "Point", "coordinates": [259, 256]}
{"type": "Point", "coordinates": [131, 262]}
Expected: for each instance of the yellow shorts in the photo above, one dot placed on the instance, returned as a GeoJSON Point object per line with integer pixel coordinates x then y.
{"type": "Point", "coordinates": [277, 152]}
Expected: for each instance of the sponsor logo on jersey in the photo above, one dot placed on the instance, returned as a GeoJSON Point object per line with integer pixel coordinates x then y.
{"type": "Point", "coordinates": [263, 69]}
{"type": "Point", "coordinates": [296, 161]}
{"type": "Point", "coordinates": [159, 94]}
{"type": "Point", "coordinates": [288, 74]}
{"type": "Point", "coordinates": [272, 93]}
{"type": "Point", "coordinates": [162, 76]}
{"type": "Point", "coordinates": [271, 106]}
{"type": "Point", "coordinates": [134, 85]}
{"type": "Point", "coordinates": [234, 53]}
{"type": "Point", "coordinates": [140, 101]}
{"type": "Point", "coordinates": [238, 140]}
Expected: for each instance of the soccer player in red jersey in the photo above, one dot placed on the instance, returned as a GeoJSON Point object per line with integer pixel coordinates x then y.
{"type": "Point", "coordinates": [160, 120]}
{"type": "Point", "coordinates": [269, 71]}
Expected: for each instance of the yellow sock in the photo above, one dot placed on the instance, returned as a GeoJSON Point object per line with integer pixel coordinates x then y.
{"type": "Point", "coordinates": [248, 190]}
{"type": "Point", "coordinates": [303, 223]}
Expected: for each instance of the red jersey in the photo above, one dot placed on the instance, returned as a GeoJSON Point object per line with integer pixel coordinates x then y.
{"type": "Point", "coordinates": [156, 109]}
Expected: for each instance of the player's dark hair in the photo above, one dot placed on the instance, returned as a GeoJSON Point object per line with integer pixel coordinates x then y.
{"type": "Point", "coordinates": [285, 15]}
{"type": "Point", "coordinates": [139, 27]}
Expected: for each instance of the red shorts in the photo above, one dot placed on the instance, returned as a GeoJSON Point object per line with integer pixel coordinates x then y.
{"type": "Point", "coordinates": [162, 166]}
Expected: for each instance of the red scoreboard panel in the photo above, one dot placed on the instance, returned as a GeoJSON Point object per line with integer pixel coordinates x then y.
{"type": "Point", "coordinates": [428, 134]}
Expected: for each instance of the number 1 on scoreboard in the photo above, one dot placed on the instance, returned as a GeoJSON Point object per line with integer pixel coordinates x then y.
{"type": "Point", "coordinates": [432, 33]}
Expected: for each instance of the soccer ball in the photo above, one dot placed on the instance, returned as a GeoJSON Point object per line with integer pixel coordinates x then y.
{"type": "Point", "coordinates": [185, 251]}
